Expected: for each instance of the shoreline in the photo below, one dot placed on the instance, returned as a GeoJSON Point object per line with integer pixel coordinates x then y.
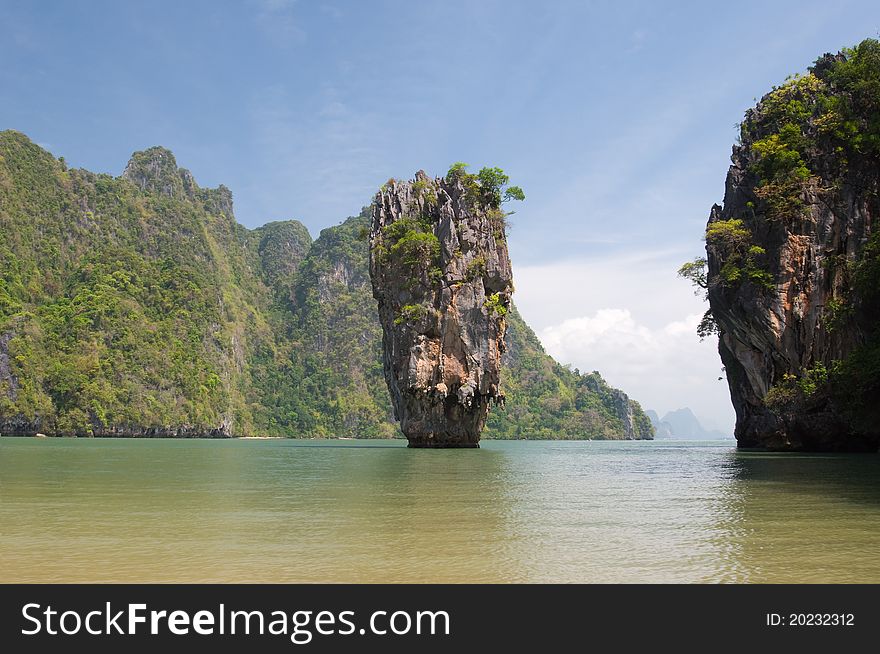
{"type": "Point", "coordinates": [355, 439]}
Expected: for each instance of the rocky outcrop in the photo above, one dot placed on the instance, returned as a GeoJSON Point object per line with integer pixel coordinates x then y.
{"type": "Point", "coordinates": [662, 429]}
{"type": "Point", "coordinates": [635, 424]}
{"type": "Point", "coordinates": [624, 410]}
{"type": "Point", "coordinates": [682, 423]}
{"type": "Point", "coordinates": [8, 382]}
{"type": "Point", "coordinates": [442, 279]}
{"type": "Point", "coordinates": [155, 170]}
{"type": "Point", "coordinates": [800, 206]}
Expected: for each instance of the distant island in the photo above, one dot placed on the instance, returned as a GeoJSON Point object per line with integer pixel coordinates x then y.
{"type": "Point", "coordinates": [682, 423]}
{"type": "Point", "coordinates": [137, 306]}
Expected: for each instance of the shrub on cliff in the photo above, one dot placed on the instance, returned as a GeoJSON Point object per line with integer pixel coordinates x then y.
{"type": "Point", "coordinates": [490, 186]}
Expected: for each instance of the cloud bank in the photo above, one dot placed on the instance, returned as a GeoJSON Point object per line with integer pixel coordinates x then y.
{"type": "Point", "coordinates": [633, 320]}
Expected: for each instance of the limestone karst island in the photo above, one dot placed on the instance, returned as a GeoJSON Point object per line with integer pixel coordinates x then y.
{"type": "Point", "coordinates": [458, 292]}
{"type": "Point", "coordinates": [137, 306]}
{"type": "Point", "coordinates": [441, 275]}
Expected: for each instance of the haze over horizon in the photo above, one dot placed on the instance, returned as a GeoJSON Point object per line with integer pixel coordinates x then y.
{"type": "Point", "coordinates": [616, 119]}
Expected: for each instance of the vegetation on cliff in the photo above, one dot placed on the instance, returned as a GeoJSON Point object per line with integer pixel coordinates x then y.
{"type": "Point", "coordinates": [826, 125]}
{"type": "Point", "coordinates": [442, 279]}
{"type": "Point", "coordinates": [797, 239]}
{"type": "Point", "coordinates": [136, 305]}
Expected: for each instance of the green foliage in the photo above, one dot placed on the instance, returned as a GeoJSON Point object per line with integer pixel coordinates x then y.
{"type": "Point", "coordinates": [417, 248]}
{"type": "Point", "coordinates": [855, 384]}
{"type": "Point", "coordinates": [281, 248]}
{"type": "Point", "coordinates": [489, 186]}
{"type": "Point", "coordinates": [500, 222]}
{"type": "Point", "coordinates": [489, 189]}
{"type": "Point", "coordinates": [497, 305]}
{"type": "Point", "coordinates": [866, 270]}
{"type": "Point", "coordinates": [782, 200]}
{"type": "Point", "coordinates": [829, 121]}
{"type": "Point", "coordinates": [425, 190]}
{"type": "Point", "coordinates": [790, 103]}
{"type": "Point", "coordinates": [412, 242]}
{"type": "Point", "coordinates": [116, 307]}
{"type": "Point", "coordinates": [783, 396]}
{"type": "Point", "coordinates": [514, 193]}
{"type": "Point", "coordinates": [545, 400]}
{"type": "Point", "coordinates": [779, 157]}
{"type": "Point", "coordinates": [836, 312]}
{"type": "Point", "coordinates": [491, 180]}
{"type": "Point", "coordinates": [795, 392]}
{"type": "Point", "coordinates": [729, 235]}
{"type": "Point", "coordinates": [457, 172]}
{"type": "Point", "coordinates": [855, 380]}
{"type": "Point", "coordinates": [856, 80]}
{"type": "Point", "coordinates": [494, 187]}
{"type": "Point", "coordinates": [835, 108]}
{"type": "Point", "coordinates": [419, 186]}
{"type": "Point", "coordinates": [695, 272]}
{"type": "Point", "coordinates": [475, 269]}
{"type": "Point", "coordinates": [410, 313]}
{"type": "Point", "coordinates": [707, 326]}
{"type": "Point", "coordinates": [743, 261]}
{"type": "Point", "coordinates": [326, 378]}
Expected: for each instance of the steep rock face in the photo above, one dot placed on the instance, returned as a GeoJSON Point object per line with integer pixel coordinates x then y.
{"type": "Point", "coordinates": [282, 246]}
{"type": "Point", "coordinates": [661, 429]}
{"type": "Point", "coordinates": [784, 254]}
{"type": "Point", "coordinates": [441, 275]}
{"type": "Point", "coordinates": [635, 424]}
{"type": "Point", "coordinates": [155, 170]}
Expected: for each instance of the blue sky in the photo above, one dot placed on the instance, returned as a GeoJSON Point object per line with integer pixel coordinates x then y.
{"type": "Point", "coordinates": [616, 118]}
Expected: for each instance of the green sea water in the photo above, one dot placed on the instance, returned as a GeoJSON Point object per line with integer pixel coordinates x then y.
{"type": "Point", "coordinates": [78, 510]}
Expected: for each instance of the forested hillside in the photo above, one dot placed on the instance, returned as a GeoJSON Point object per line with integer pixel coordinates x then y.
{"type": "Point", "coordinates": [137, 306]}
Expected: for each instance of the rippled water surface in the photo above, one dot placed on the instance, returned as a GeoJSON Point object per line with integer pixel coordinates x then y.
{"type": "Point", "coordinates": [289, 511]}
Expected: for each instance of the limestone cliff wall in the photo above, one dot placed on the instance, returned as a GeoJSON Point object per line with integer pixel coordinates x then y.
{"type": "Point", "coordinates": [799, 208]}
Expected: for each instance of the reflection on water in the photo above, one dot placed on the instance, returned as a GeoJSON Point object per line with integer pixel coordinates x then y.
{"type": "Point", "coordinates": [271, 510]}
{"type": "Point", "coordinates": [807, 517]}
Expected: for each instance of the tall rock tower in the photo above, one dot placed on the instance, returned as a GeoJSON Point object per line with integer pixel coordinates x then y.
{"type": "Point", "coordinates": [441, 274]}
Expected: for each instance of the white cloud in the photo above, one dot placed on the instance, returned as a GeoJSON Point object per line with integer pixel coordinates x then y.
{"type": "Point", "coordinates": [633, 320]}
{"type": "Point", "coordinates": [663, 368]}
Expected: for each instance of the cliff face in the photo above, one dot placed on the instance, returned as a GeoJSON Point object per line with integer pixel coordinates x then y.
{"type": "Point", "coordinates": [789, 260]}
{"type": "Point", "coordinates": [441, 275]}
